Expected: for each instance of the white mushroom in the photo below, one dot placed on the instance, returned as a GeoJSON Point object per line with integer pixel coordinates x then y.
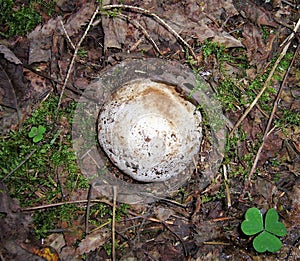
{"type": "Point", "coordinates": [149, 131]}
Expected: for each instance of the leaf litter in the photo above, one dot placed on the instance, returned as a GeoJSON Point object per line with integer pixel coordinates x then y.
{"type": "Point", "coordinates": [195, 228]}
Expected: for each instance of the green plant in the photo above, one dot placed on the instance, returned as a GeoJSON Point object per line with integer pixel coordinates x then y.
{"type": "Point", "coordinates": [47, 6]}
{"type": "Point", "coordinates": [266, 232]}
{"type": "Point", "coordinates": [82, 53]}
{"type": "Point", "coordinates": [36, 133]}
{"type": "Point", "coordinates": [18, 20]}
{"type": "Point", "coordinates": [51, 172]}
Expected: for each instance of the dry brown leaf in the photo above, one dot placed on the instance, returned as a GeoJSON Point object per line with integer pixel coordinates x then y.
{"type": "Point", "coordinates": [114, 32]}
{"type": "Point", "coordinates": [13, 88]}
{"type": "Point", "coordinates": [257, 51]}
{"type": "Point", "coordinates": [42, 37]}
{"type": "Point", "coordinates": [14, 227]}
{"type": "Point", "coordinates": [41, 41]}
{"type": "Point", "coordinates": [191, 19]}
{"type": "Point", "coordinates": [93, 241]}
{"type": "Point", "coordinates": [12, 82]}
{"type": "Point", "coordinates": [254, 13]}
{"type": "Point", "coordinates": [82, 17]}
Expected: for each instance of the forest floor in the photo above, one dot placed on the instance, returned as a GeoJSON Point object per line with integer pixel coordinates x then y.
{"type": "Point", "coordinates": [247, 51]}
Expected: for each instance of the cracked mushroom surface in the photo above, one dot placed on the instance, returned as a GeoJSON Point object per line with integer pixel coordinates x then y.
{"type": "Point", "coordinates": [149, 131]}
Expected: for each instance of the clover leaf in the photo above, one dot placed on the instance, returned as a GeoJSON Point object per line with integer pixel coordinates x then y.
{"type": "Point", "coordinates": [36, 133]}
{"type": "Point", "coordinates": [267, 239]}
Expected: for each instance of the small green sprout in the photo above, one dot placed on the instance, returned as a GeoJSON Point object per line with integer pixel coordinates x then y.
{"type": "Point", "coordinates": [36, 133]}
{"type": "Point", "coordinates": [267, 239]}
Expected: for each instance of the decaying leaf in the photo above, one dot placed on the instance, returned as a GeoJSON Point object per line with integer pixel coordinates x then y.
{"type": "Point", "coordinates": [13, 88]}
{"type": "Point", "coordinates": [41, 42]}
{"type": "Point", "coordinates": [93, 241]}
{"type": "Point", "coordinates": [254, 13]}
{"type": "Point", "coordinates": [12, 82]}
{"type": "Point", "coordinates": [82, 17]}
{"type": "Point", "coordinates": [41, 39]}
{"type": "Point", "coordinates": [114, 32]}
{"type": "Point", "coordinates": [191, 19]}
{"type": "Point", "coordinates": [14, 226]}
{"type": "Point", "coordinates": [257, 51]}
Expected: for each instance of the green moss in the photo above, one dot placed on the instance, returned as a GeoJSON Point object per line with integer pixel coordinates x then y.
{"type": "Point", "coordinates": [19, 19]}
{"type": "Point", "coordinates": [50, 172]}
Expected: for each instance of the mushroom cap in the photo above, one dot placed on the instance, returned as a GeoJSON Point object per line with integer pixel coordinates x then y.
{"type": "Point", "coordinates": [149, 131]}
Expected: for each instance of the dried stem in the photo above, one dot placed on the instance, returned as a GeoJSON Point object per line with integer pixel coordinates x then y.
{"type": "Point", "coordinates": [156, 18]}
{"type": "Point", "coordinates": [84, 201]}
{"type": "Point", "coordinates": [143, 30]}
{"type": "Point", "coordinates": [20, 165]}
{"type": "Point", "coordinates": [267, 132]}
{"type": "Point", "coordinates": [287, 42]}
{"type": "Point", "coordinates": [113, 229]}
{"type": "Point", "coordinates": [66, 33]}
{"type": "Point", "coordinates": [74, 58]}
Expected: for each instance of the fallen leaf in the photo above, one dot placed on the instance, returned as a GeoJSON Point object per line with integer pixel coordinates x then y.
{"type": "Point", "coordinates": [42, 37]}
{"type": "Point", "coordinates": [13, 88]}
{"type": "Point", "coordinates": [14, 227]}
{"type": "Point", "coordinates": [93, 241]}
{"type": "Point", "coordinates": [80, 18]}
{"type": "Point", "coordinates": [12, 81]}
{"type": "Point", "coordinates": [254, 13]}
{"type": "Point", "coordinates": [40, 41]}
{"type": "Point", "coordinates": [114, 32]}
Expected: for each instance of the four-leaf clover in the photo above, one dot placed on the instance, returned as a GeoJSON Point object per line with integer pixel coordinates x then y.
{"type": "Point", "coordinates": [267, 239]}
{"type": "Point", "coordinates": [37, 133]}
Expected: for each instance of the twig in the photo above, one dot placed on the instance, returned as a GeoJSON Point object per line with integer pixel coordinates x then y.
{"type": "Point", "coordinates": [88, 206]}
{"type": "Point", "coordinates": [20, 165]}
{"type": "Point", "coordinates": [140, 27]}
{"type": "Point", "coordinates": [178, 237]}
{"type": "Point", "coordinates": [227, 187]}
{"type": "Point", "coordinates": [66, 33]}
{"type": "Point", "coordinates": [266, 132]}
{"type": "Point", "coordinates": [216, 243]}
{"type": "Point", "coordinates": [113, 229]}
{"type": "Point", "coordinates": [74, 58]}
{"type": "Point", "coordinates": [84, 201]}
{"type": "Point", "coordinates": [28, 67]}
{"type": "Point", "coordinates": [288, 41]}
{"type": "Point", "coordinates": [156, 18]}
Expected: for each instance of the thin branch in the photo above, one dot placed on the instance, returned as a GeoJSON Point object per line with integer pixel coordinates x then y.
{"type": "Point", "coordinates": [143, 30]}
{"type": "Point", "coordinates": [20, 165]}
{"type": "Point", "coordinates": [288, 41]}
{"type": "Point", "coordinates": [157, 19]}
{"type": "Point", "coordinates": [84, 201]}
{"type": "Point", "coordinates": [266, 132]}
{"type": "Point", "coordinates": [113, 225]}
{"type": "Point", "coordinates": [74, 58]}
{"type": "Point", "coordinates": [227, 187]}
{"type": "Point", "coordinates": [66, 33]}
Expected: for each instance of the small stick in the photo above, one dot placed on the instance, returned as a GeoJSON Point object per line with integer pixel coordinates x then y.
{"type": "Point", "coordinates": [113, 229]}
{"type": "Point", "coordinates": [178, 237]}
{"type": "Point", "coordinates": [227, 187]}
{"type": "Point", "coordinates": [222, 219]}
{"type": "Point", "coordinates": [140, 27]}
{"type": "Point", "coordinates": [288, 41]}
{"type": "Point", "coordinates": [84, 201]}
{"type": "Point", "coordinates": [20, 165]}
{"type": "Point", "coordinates": [74, 58]}
{"type": "Point", "coordinates": [266, 133]}
{"type": "Point", "coordinates": [157, 19]}
{"type": "Point", "coordinates": [216, 243]}
{"type": "Point", "coordinates": [66, 33]}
